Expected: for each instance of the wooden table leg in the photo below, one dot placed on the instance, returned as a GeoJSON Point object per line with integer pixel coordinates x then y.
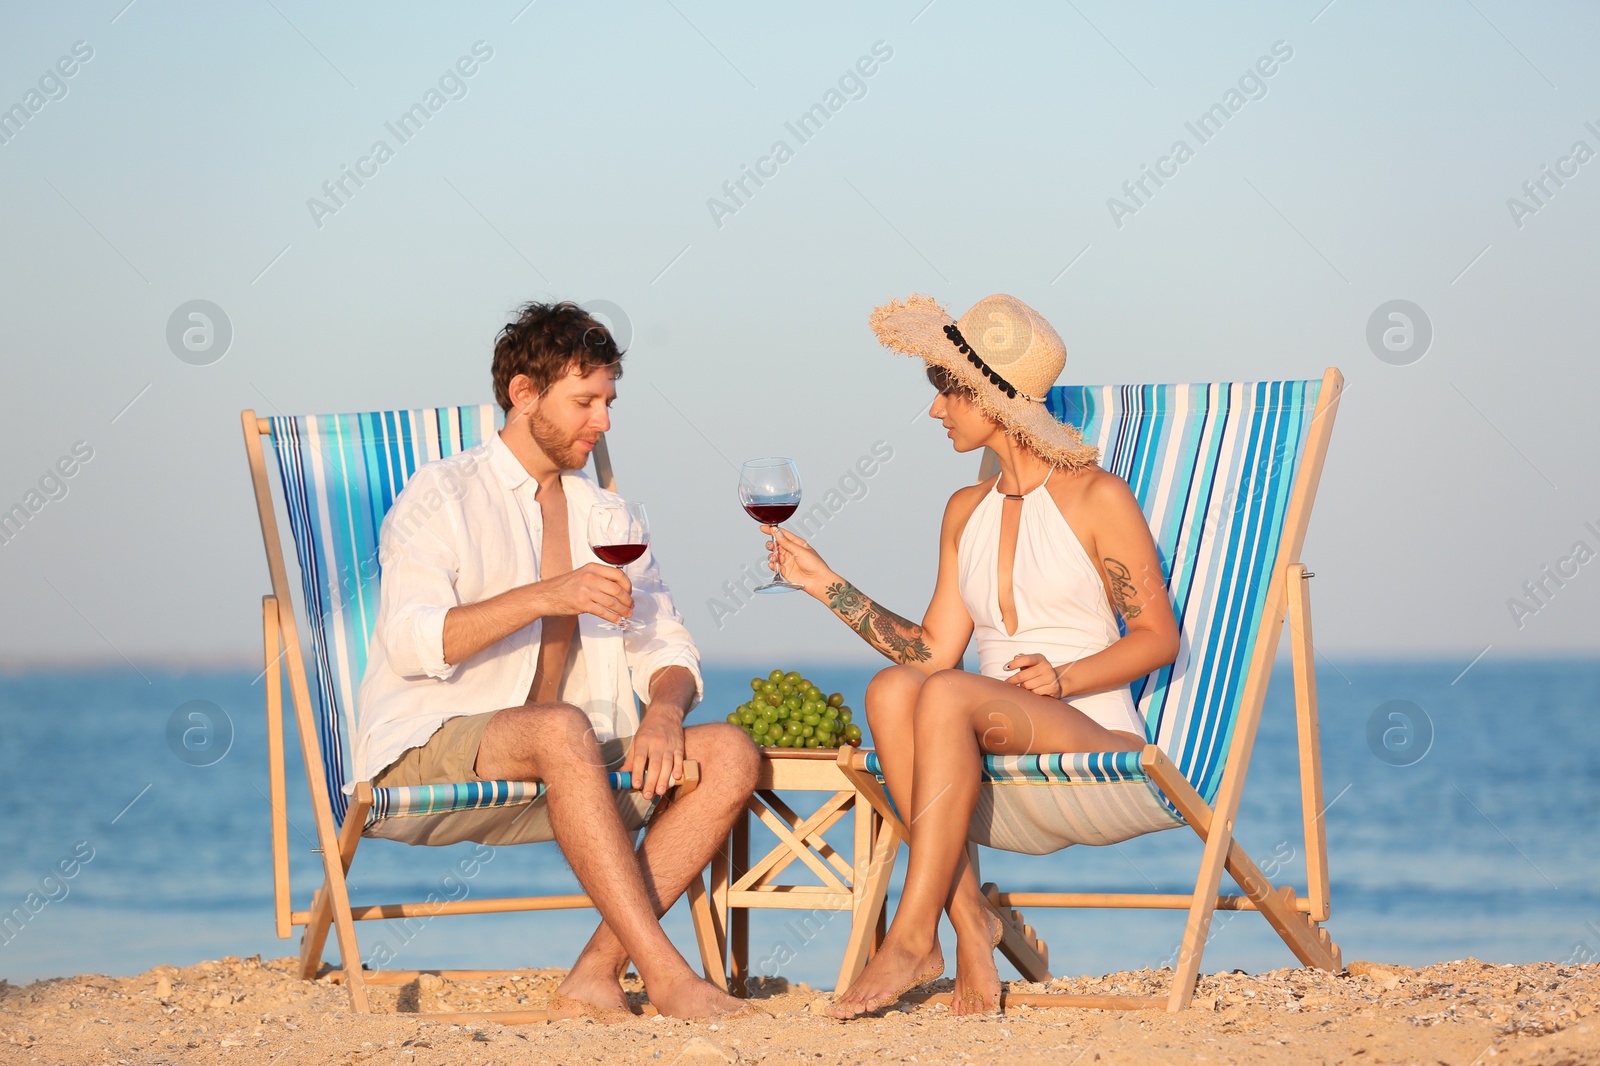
{"type": "Point", "coordinates": [720, 882]}
{"type": "Point", "coordinates": [882, 929]}
{"type": "Point", "coordinates": [739, 917]}
{"type": "Point", "coordinates": [867, 928]}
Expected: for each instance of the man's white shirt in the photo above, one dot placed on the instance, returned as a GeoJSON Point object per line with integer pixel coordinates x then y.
{"type": "Point", "coordinates": [468, 527]}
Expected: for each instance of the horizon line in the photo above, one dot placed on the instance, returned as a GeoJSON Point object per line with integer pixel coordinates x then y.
{"type": "Point", "coordinates": [14, 664]}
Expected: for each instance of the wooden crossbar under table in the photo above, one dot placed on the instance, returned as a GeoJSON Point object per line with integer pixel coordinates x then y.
{"type": "Point", "coordinates": [856, 883]}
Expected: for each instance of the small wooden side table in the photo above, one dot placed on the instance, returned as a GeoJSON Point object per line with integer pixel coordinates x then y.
{"type": "Point", "coordinates": [858, 884]}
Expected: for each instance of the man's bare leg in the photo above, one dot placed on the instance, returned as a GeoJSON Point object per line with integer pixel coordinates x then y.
{"type": "Point", "coordinates": [678, 845]}
{"type": "Point", "coordinates": [553, 743]}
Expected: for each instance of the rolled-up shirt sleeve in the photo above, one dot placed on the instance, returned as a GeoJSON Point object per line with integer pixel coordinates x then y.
{"type": "Point", "coordinates": [417, 591]}
{"type": "Point", "coordinates": [662, 640]}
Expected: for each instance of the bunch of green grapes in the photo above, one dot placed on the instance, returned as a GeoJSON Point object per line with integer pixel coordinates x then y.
{"type": "Point", "coordinates": [788, 711]}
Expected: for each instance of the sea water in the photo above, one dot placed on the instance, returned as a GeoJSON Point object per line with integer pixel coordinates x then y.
{"type": "Point", "coordinates": [1460, 813]}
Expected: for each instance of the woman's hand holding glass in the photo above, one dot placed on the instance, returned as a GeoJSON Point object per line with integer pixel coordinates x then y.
{"type": "Point", "coordinates": [798, 561]}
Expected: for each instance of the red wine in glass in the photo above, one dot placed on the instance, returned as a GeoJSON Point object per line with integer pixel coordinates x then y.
{"type": "Point", "coordinates": [769, 491]}
{"type": "Point", "coordinates": [618, 535]}
{"type": "Point", "coordinates": [771, 514]}
{"type": "Point", "coordinates": [617, 554]}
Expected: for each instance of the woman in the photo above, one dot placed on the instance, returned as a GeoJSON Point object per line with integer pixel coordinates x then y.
{"type": "Point", "coordinates": [1033, 560]}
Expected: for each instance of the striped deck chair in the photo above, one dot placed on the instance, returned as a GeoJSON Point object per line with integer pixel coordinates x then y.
{"type": "Point", "coordinates": [1226, 474]}
{"type": "Point", "coordinates": [339, 475]}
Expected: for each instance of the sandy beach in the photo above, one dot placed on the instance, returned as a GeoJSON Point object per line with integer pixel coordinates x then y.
{"type": "Point", "coordinates": [247, 1011]}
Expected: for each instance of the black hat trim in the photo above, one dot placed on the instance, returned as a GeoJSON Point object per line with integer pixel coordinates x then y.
{"type": "Point", "coordinates": [954, 333]}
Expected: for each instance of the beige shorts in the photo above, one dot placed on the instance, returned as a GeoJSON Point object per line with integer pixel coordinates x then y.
{"type": "Point", "coordinates": [449, 757]}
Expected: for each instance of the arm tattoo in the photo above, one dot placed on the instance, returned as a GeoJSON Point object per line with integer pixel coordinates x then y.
{"type": "Point", "coordinates": [1122, 590]}
{"type": "Point", "coordinates": [892, 635]}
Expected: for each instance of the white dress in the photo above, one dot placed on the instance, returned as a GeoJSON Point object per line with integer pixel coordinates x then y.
{"type": "Point", "coordinates": [1060, 601]}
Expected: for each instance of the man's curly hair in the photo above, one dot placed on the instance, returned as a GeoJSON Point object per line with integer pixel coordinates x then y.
{"type": "Point", "coordinates": [546, 342]}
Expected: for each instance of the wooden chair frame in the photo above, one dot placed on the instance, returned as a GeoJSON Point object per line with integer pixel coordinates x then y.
{"type": "Point", "coordinates": [1295, 918]}
{"type": "Point", "coordinates": [330, 905]}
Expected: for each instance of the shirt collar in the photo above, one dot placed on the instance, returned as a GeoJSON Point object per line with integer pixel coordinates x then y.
{"type": "Point", "coordinates": [512, 474]}
{"type": "Point", "coordinates": [506, 465]}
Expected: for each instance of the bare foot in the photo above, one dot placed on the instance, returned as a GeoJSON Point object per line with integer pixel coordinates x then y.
{"type": "Point", "coordinates": [892, 973]}
{"type": "Point", "coordinates": [977, 988]}
{"type": "Point", "coordinates": [559, 1007]}
{"type": "Point", "coordinates": [694, 997]}
{"type": "Point", "coordinates": [588, 995]}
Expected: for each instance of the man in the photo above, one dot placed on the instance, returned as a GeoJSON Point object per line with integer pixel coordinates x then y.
{"type": "Point", "coordinates": [488, 662]}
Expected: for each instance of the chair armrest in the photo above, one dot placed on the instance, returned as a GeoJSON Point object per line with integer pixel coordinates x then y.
{"type": "Point", "coordinates": [850, 758]}
{"type": "Point", "coordinates": [690, 779]}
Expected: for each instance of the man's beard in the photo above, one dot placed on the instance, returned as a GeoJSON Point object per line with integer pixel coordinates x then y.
{"type": "Point", "coordinates": [561, 449]}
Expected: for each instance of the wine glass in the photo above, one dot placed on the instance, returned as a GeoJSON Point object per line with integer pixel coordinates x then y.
{"type": "Point", "coordinates": [769, 489]}
{"type": "Point", "coordinates": [618, 535]}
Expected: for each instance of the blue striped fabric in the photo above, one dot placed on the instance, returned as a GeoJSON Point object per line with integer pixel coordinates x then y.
{"type": "Point", "coordinates": [340, 474]}
{"type": "Point", "coordinates": [417, 800]}
{"type": "Point", "coordinates": [1070, 768]}
{"type": "Point", "coordinates": [1037, 804]}
{"type": "Point", "coordinates": [1212, 465]}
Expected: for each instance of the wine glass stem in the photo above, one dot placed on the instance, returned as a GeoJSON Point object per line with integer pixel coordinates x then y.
{"type": "Point", "coordinates": [780, 579]}
{"type": "Point", "coordinates": [623, 624]}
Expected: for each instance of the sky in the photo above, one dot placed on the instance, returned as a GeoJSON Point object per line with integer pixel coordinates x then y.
{"type": "Point", "coordinates": [1372, 153]}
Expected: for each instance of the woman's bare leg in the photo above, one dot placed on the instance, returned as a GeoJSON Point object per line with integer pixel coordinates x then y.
{"type": "Point", "coordinates": [958, 717]}
{"type": "Point", "coordinates": [891, 706]}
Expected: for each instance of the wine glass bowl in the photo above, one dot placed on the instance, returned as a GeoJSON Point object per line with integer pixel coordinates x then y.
{"type": "Point", "coordinates": [618, 554]}
{"type": "Point", "coordinates": [619, 535]}
{"type": "Point", "coordinates": [769, 491]}
{"type": "Point", "coordinates": [771, 514]}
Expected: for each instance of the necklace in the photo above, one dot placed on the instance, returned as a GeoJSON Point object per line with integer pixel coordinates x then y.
{"type": "Point", "coordinates": [1036, 488]}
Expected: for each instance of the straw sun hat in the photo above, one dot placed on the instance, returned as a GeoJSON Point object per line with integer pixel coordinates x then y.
{"type": "Point", "coordinates": [1004, 352]}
